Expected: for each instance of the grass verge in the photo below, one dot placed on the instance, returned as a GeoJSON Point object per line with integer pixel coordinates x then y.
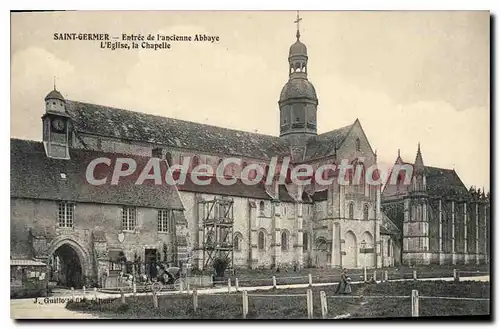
{"type": "Point", "coordinates": [283, 306]}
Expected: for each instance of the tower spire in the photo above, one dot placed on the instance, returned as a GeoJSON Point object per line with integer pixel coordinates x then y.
{"type": "Point", "coordinates": [297, 21]}
{"type": "Point", "coordinates": [419, 162]}
{"type": "Point", "coordinates": [55, 82]}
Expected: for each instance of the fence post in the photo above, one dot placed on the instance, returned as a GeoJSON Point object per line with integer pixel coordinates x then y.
{"type": "Point", "coordinates": [386, 278]}
{"type": "Point", "coordinates": [155, 299]}
{"type": "Point", "coordinates": [95, 292]}
{"type": "Point", "coordinates": [414, 274]}
{"type": "Point", "coordinates": [236, 284]}
{"type": "Point", "coordinates": [122, 296]}
{"type": "Point", "coordinates": [229, 285]}
{"type": "Point", "coordinates": [366, 277]}
{"type": "Point", "coordinates": [274, 282]}
{"type": "Point", "coordinates": [84, 290]}
{"type": "Point", "coordinates": [134, 289]}
{"type": "Point", "coordinates": [181, 286]}
{"type": "Point", "coordinates": [245, 304]}
{"type": "Point", "coordinates": [309, 304]}
{"type": "Point", "coordinates": [72, 293]}
{"type": "Point", "coordinates": [324, 305]}
{"type": "Point", "coordinates": [375, 276]}
{"type": "Point", "coordinates": [414, 303]}
{"type": "Point", "coordinates": [195, 299]}
{"type": "Point", "coordinates": [456, 276]}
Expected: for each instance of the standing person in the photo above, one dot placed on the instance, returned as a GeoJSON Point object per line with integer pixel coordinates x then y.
{"type": "Point", "coordinates": [153, 271]}
{"type": "Point", "coordinates": [344, 286]}
{"type": "Point", "coordinates": [347, 279]}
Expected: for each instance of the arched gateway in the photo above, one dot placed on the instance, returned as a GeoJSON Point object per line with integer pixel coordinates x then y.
{"type": "Point", "coordinates": [68, 263]}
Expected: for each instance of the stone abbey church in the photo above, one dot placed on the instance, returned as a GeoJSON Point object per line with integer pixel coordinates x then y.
{"type": "Point", "coordinates": [86, 233]}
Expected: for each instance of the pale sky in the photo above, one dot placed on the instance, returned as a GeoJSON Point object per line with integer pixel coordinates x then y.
{"type": "Point", "coordinates": [408, 76]}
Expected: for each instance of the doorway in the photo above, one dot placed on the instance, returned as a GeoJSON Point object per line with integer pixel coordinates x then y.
{"type": "Point", "coordinates": [66, 267]}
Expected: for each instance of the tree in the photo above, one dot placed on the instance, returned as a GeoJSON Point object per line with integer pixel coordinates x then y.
{"type": "Point", "coordinates": [220, 265]}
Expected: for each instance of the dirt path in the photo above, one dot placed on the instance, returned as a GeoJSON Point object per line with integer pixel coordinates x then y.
{"type": "Point", "coordinates": [28, 309]}
{"type": "Point", "coordinates": [52, 309]}
{"type": "Point", "coordinates": [356, 304]}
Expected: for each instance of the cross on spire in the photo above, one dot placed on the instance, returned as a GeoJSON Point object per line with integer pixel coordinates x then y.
{"type": "Point", "coordinates": [297, 21]}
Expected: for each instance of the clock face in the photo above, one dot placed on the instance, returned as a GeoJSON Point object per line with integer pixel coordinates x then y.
{"type": "Point", "coordinates": [58, 124]}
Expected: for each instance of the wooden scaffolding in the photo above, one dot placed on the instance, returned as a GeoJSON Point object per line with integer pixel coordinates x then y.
{"type": "Point", "coordinates": [218, 222]}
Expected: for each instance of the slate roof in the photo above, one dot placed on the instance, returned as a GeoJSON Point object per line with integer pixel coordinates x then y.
{"type": "Point", "coordinates": [387, 226]}
{"type": "Point", "coordinates": [54, 94]}
{"type": "Point", "coordinates": [298, 88]}
{"type": "Point", "coordinates": [324, 145]}
{"type": "Point", "coordinates": [284, 196]}
{"type": "Point", "coordinates": [36, 176]}
{"type": "Point", "coordinates": [136, 126]}
{"type": "Point", "coordinates": [444, 182]}
{"type": "Point", "coordinates": [320, 195]}
{"type": "Point", "coordinates": [441, 182]}
{"type": "Point", "coordinates": [239, 189]}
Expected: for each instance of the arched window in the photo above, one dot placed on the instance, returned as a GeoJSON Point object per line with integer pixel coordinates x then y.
{"type": "Point", "coordinates": [358, 145]}
{"type": "Point", "coordinates": [237, 242]}
{"type": "Point", "coordinates": [365, 212]}
{"type": "Point", "coordinates": [351, 210]}
{"type": "Point", "coordinates": [362, 179]}
{"type": "Point", "coordinates": [261, 208]}
{"type": "Point", "coordinates": [284, 241]}
{"type": "Point", "coordinates": [305, 241]}
{"type": "Point", "coordinates": [262, 241]}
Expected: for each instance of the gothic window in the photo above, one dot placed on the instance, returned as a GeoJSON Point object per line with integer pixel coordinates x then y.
{"type": "Point", "coordinates": [365, 212]}
{"type": "Point", "coordinates": [351, 210]}
{"type": "Point", "coordinates": [305, 241]}
{"type": "Point", "coordinates": [358, 145]}
{"type": "Point", "coordinates": [261, 208]}
{"type": "Point", "coordinates": [262, 241]}
{"type": "Point", "coordinates": [362, 179]}
{"type": "Point", "coordinates": [66, 211]}
{"type": "Point", "coordinates": [284, 241]}
{"type": "Point", "coordinates": [389, 247]}
{"type": "Point", "coordinates": [163, 220]}
{"type": "Point", "coordinates": [237, 242]}
{"type": "Point", "coordinates": [129, 222]}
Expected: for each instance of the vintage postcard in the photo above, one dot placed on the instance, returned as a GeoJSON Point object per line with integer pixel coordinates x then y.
{"type": "Point", "coordinates": [250, 164]}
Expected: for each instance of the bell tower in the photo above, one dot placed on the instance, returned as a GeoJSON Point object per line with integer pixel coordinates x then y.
{"type": "Point", "coordinates": [56, 126]}
{"type": "Point", "coordinates": [298, 101]}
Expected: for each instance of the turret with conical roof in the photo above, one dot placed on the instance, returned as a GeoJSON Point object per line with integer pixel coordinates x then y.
{"type": "Point", "coordinates": [55, 102]}
{"type": "Point", "coordinates": [298, 101]}
{"type": "Point", "coordinates": [56, 126]}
